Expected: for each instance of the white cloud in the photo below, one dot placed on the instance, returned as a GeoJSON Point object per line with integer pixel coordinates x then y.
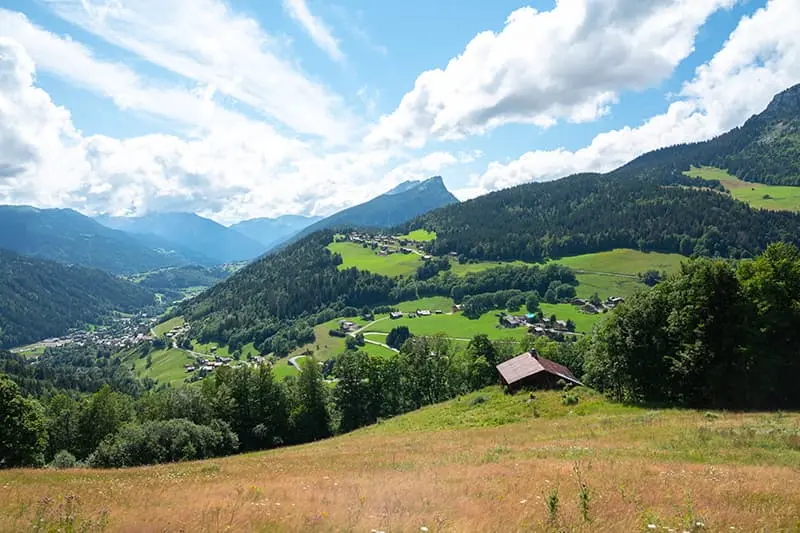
{"type": "Point", "coordinates": [208, 43]}
{"type": "Point", "coordinates": [228, 173]}
{"type": "Point", "coordinates": [760, 58]}
{"type": "Point", "coordinates": [316, 28]}
{"type": "Point", "coordinates": [565, 64]}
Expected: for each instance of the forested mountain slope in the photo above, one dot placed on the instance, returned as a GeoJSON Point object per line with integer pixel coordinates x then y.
{"type": "Point", "coordinates": [67, 236]}
{"type": "Point", "coordinates": [765, 149]}
{"type": "Point", "coordinates": [187, 230]}
{"type": "Point", "coordinates": [401, 204]}
{"type": "Point", "coordinates": [647, 204]}
{"type": "Point", "coordinates": [648, 209]}
{"type": "Point", "coordinates": [42, 298]}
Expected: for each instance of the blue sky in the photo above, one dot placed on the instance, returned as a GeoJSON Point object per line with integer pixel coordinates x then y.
{"type": "Point", "coordinates": [242, 108]}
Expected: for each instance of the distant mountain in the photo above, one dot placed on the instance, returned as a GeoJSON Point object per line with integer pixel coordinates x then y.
{"type": "Point", "coordinates": [43, 299]}
{"type": "Point", "coordinates": [647, 204]}
{"type": "Point", "coordinates": [766, 149]}
{"type": "Point", "coordinates": [406, 201]}
{"type": "Point", "coordinates": [190, 231]}
{"type": "Point", "coordinates": [272, 231]}
{"type": "Point", "coordinates": [67, 236]}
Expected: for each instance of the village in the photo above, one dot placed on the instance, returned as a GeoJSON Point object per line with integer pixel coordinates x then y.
{"type": "Point", "coordinates": [385, 245]}
{"type": "Point", "coordinates": [121, 333]}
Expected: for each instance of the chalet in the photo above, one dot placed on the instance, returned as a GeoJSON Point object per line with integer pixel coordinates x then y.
{"type": "Point", "coordinates": [438, 311]}
{"type": "Point", "coordinates": [614, 301]}
{"type": "Point", "coordinates": [511, 321]}
{"type": "Point", "coordinates": [189, 368]}
{"type": "Point", "coordinates": [395, 315]}
{"type": "Point", "coordinates": [427, 257]}
{"type": "Point", "coordinates": [453, 254]}
{"type": "Point", "coordinates": [423, 312]}
{"type": "Point", "coordinates": [579, 302]}
{"type": "Point", "coordinates": [529, 370]}
{"type": "Point", "coordinates": [456, 308]}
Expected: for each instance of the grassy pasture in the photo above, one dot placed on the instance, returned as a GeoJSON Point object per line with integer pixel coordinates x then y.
{"type": "Point", "coordinates": [420, 235]}
{"type": "Point", "coordinates": [486, 461]}
{"type": "Point", "coordinates": [583, 322]}
{"type": "Point", "coordinates": [759, 195]}
{"type": "Point", "coordinates": [354, 255]}
{"type": "Point", "coordinates": [167, 367]}
{"type": "Point", "coordinates": [162, 329]}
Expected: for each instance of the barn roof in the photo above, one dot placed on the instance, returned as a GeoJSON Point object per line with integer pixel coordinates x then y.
{"type": "Point", "coordinates": [530, 363]}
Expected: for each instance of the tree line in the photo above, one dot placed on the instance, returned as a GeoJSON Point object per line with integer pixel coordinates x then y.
{"type": "Point", "coordinates": [237, 409]}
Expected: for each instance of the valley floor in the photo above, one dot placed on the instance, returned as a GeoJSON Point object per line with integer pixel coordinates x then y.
{"type": "Point", "coordinates": [484, 462]}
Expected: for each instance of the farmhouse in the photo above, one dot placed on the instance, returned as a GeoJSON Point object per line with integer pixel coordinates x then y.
{"type": "Point", "coordinates": [423, 312]}
{"type": "Point", "coordinates": [395, 315]}
{"type": "Point", "coordinates": [531, 370]}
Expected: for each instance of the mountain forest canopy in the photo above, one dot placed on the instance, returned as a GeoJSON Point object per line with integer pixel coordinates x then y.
{"type": "Point", "coordinates": [43, 299]}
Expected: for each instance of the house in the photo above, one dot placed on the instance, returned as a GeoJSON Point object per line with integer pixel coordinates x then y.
{"type": "Point", "coordinates": [427, 257]}
{"type": "Point", "coordinates": [511, 321]}
{"type": "Point", "coordinates": [531, 370]}
{"type": "Point", "coordinates": [438, 311]}
{"type": "Point", "coordinates": [423, 312]}
{"type": "Point", "coordinates": [453, 254]}
{"type": "Point", "coordinates": [456, 308]}
{"type": "Point", "coordinates": [579, 302]}
{"type": "Point", "coordinates": [395, 315]}
{"type": "Point", "coordinates": [614, 301]}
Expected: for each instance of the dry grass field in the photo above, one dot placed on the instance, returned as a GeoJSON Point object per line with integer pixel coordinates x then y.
{"type": "Point", "coordinates": [484, 462]}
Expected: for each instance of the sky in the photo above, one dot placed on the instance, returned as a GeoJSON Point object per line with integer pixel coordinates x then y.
{"type": "Point", "coordinates": [236, 109]}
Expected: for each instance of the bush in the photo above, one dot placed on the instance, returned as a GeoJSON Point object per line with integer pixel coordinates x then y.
{"type": "Point", "coordinates": [64, 459]}
{"type": "Point", "coordinates": [570, 398]}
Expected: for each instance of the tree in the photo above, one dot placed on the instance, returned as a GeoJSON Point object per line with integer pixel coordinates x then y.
{"type": "Point", "coordinates": [350, 343]}
{"type": "Point", "coordinates": [532, 302]}
{"type": "Point", "coordinates": [398, 336]}
{"type": "Point", "coordinates": [103, 414]}
{"type": "Point", "coordinates": [23, 436]}
{"type": "Point", "coordinates": [310, 419]}
{"type": "Point", "coordinates": [595, 300]}
{"type": "Point", "coordinates": [354, 394]}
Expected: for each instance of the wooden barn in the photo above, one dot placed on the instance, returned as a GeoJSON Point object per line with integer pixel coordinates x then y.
{"type": "Point", "coordinates": [529, 370]}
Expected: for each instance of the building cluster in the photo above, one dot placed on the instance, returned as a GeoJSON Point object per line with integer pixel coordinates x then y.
{"type": "Point", "coordinates": [418, 313]}
{"type": "Point", "coordinates": [121, 333]}
{"type": "Point", "coordinates": [385, 245]}
{"type": "Point", "coordinates": [590, 308]}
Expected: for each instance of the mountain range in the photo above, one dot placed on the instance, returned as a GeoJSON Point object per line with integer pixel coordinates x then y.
{"type": "Point", "coordinates": [401, 204]}
{"type": "Point", "coordinates": [272, 231]}
{"type": "Point", "coordinates": [191, 232]}
{"type": "Point", "coordinates": [69, 237]}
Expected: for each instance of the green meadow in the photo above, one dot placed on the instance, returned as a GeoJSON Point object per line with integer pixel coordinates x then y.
{"type": "Point", "coordinates": [159, 330]}
{"type": "Point", "coordinates": [759, 195]}
{"type": "Point", "coordinates": [355, 255]}
{"type": "Point", "coordinates": [420, 235]}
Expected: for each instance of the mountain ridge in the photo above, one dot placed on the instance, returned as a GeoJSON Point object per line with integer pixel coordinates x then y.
{"type": "Point", "coordinates": [272, 231]}
{"type": "Point", "coordinates": [191, 231]}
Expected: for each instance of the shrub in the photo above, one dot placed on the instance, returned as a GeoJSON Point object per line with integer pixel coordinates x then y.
{"type": "Point", "coordinates": [64, 459]}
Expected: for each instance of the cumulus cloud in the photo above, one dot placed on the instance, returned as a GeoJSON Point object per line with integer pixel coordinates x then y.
{"type": "Point", "coordinates": [205, 41]}
{"type": "Point", "coordinates": [760, 58]}
{"type": "Point", "coordinates": [228, 173]}
{"type": "Point", "coordinates": [569, 63]}
{"type": "Point", "coordinates": [315, 27]}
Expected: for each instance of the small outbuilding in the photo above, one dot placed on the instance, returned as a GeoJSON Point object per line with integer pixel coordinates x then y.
{"type": "Point", "coordinates": [529, 370]}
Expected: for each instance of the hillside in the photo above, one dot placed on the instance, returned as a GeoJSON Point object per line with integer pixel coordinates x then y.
{"type": "Point", "coordinates": [43, 299]}
{"type": "Point", "coordinates": [766, 149]}
{"type": "Point", "coordinates": [401, 204]}
{"type": "Point", "coordinates": [190, 231]}
{"type": "Point", "coordinates": [67, 236]}
{"type": "Point", "coordinates": [482, 462]}
{"type": "Point", "coordinates": [272, 231]}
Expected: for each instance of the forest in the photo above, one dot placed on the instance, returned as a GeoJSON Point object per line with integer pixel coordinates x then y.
{"type": "Point", "coordinates": [44, 299]}
{"type": "Point", "coordinates": [648, 209]}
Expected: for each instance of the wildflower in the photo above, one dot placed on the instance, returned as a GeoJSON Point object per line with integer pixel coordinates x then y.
{"type": "Point", "coordinates": [523, 501]}
{"type": "Point", "coordinates": [423, 528]}
{"type": "Point", "coordinates": [651, 526]}
{"type": "Point", "coordinates": [699, 524]}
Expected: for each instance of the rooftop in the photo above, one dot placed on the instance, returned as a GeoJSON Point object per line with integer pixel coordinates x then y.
{"type": "Point", "coordinates": [528, 364]}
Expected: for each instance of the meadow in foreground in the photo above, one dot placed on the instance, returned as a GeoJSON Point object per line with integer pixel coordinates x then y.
{"type": "Point", "coordinates": [482, 462]}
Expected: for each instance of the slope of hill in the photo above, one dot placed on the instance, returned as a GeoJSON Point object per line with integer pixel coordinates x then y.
{"type": "Point", "coordinates": [401, 204]}
{"type": "Point", "coordinates": [190, 231]}
{"type": "Point", "coordinates": [272, 231]}
{"type": "Point", "coordinates": [765, 149]}
{"type": "Point", "coordinates": [67, 236]}
{"type": "Point", "coordinates": [43, 299]}
{"type": "Point", "coordinates": [486, 461]}
{"type": "Point", "coordinates": [653, 209]}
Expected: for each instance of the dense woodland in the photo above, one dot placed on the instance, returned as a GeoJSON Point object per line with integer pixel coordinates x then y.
{"type": "Point", "coordinates": [275, 301]}
{"type": "Point", "coordinates": [42, 299]}
{"type": "Point", "coordinates": [183, 277]}
{"type": "Point", "coordinates": [652, 209]}
{"type": "Point", "coordinates": [765, 149]}
{"type": "Point", "coordinates": [714, 335]}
